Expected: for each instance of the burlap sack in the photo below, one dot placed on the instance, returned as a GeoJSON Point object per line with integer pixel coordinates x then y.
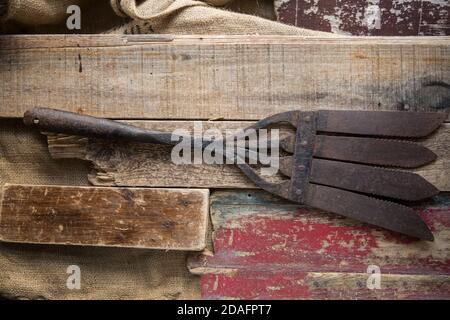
{"type": "Point", "coordinates": [149, 16]}
{"type": "Point", "coordinates": [24, 158]}
{"type": "Point", "coordinates": [37, 12]}
{"type": "Point", "coordinates": [40, 272]}
{"type": "Point", "coordinates": [196, 17]}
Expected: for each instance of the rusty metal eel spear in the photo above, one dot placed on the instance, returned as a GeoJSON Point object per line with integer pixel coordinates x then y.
{"type": "Point", "coordinates": [336, 162]}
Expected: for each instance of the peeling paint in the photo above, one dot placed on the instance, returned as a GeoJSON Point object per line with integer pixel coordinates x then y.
{"type": "Point", "coordinates": [372, 16]}
{"type": "Point", "coordinates": [368, 17]}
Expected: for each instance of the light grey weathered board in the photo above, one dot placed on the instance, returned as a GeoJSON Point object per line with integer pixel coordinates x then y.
{"type": "Point", "coordinates": [140, 164]}
{"type": "Point", "coordinates": [233, 77]}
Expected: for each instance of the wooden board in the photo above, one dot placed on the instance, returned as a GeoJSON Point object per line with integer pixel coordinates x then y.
{"type": "Point", "coordinates": [368, 17]}
{"type": "Point", "coordinates": [265, 247]}
{"type": "Point", "coordinates": [171, 219]}
{"type": "Point", "coordinates": [233, 77]}
{"type": "Point", "coordinates": [140, 164]}
{"type": "Point", "coordinates": [281, 284]}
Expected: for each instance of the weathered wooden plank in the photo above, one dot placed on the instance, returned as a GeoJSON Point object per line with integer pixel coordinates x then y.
{"type": "Point", "coordinates": [171, 219]}
{"type": "Point", "coordinates": [138, 164]}
{"type": "Point", "coordinates": [259, 238]}
{"type": "Point", "coordinates": [161, 77]}
{"type": "Point", "coordinates": [321, 285]}
{"type": "Point", "coordinates": [40, 41]}
{"type": "Point", "coordinates": [255, 228]}
{"type": "Point", "coordinates": [366, 17]}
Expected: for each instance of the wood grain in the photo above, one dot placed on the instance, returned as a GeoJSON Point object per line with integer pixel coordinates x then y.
{"type": "Point", "coordinates": [321, 285]}
{"type": "Point", "coordinates": [170, 219]}
{"type": "Point", "coordinates": [365, 17]}
{"type": "Point", "coordinates": [265, 247]}
{"type": "Point", "coordinates": [233, 77]}
{"type": "Point", "coordinates": [254, 227]}
{"type": "Point", "coordinates": [139, 164]}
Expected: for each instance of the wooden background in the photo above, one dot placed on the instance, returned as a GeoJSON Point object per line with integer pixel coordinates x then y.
{"type": "Point", "coordinates": [368, 17]}
{"type": "Point", "coordinates": [231, 78]}
{"type": "Point", "coordinates": [262, 247]}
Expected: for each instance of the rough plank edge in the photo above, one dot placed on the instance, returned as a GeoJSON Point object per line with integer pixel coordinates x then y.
{"type": "Point", "coordinates": [186, 249]}
{"type": "Point", "coordinates": [12, 42]}
{"type": "Point", "coordinates": [75, 144]}
{"type": "Point", "coordinates": [206, 221]}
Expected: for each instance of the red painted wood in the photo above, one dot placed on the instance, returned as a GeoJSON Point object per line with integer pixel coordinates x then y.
{"type": "Point", "coordinates": [252, 285]}
{"type": "Point", "coordinates": [327, 244]}
{"type": "Point", "coordinates": [302, 285]}
{"type": "Point", "coordinates": [266, 248]}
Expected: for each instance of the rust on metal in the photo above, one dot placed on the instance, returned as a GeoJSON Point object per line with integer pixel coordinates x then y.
{"type": "Point", "coordinates": [330, 167]}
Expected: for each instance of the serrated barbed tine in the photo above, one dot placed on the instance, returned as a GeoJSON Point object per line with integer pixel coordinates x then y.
{"type": "Point", "coordinates": [397, 184]}
{"type": "Point", "coordinates": [385, 214]}
{"type": "Point", "coordinates": [384, 152]}
{"type": "Point", "coordinates": [380, 123]}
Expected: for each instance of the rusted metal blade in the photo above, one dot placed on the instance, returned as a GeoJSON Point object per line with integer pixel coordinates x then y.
{"type": "Point", "coordinates": [381, 123]}
{"type": "Point", "coordinates": [286, 165]}
{"type": "Point", "coordinates": [381, 213]}
{"type": "Point", "coordinates": [288, 143]}
{"type": "Point", "coordinates": [366, 179]}
{"type": "Point", "coordinates": [384, 152]}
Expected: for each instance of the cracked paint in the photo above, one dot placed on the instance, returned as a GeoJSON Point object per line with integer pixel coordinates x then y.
{"type": "Point", "coordinates": [368, 17]}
